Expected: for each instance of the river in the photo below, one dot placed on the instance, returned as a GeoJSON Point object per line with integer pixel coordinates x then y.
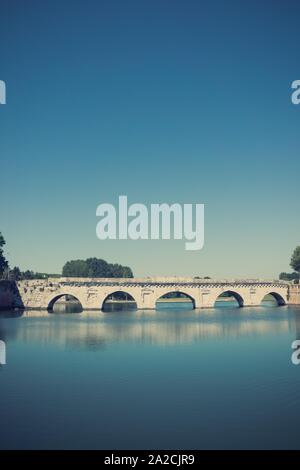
{"type": "Point", "coordinates": [173, 378]}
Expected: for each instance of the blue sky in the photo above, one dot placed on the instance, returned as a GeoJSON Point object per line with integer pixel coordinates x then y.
{"type": "Point", "coordinates": [163, 101]}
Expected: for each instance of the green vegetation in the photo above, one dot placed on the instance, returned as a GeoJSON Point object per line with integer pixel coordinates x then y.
{"type": "Point", "coordinates": [15, 273]}
{"type": "Point", "coordinates": [295, 260]}
{"type": "Point", "coordinates": [175, 295]}
{"type": "Point", "coordinates": [289, 276]}
{"type": "Point", "coordinates": [295, 264]}
{"type": "Point", "coordinates": [18, 275]}
{"type": "Point", "coordinates": [205, 277]}
{"type": "Point", "coordinates": [91, 267]}
{"type": "Point", "coordinates": [3, 261]}
{"type": "Point", "coordinates": [94, 267]}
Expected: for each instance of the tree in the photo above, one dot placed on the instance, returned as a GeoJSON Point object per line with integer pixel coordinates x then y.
{"type": "Point", "coordinates": [75, 268]}
{"type": "Point", "coordinates": [288, 276]}
{"type": "Point", "coordinates": [117, 270]}
{"type": "Point", "coordinates": [295, 260]}
{"type": "Point", "coordinates": [28, 275]}
{"type": "Point", "coordinates": [94, 267]}
{"type": "Point", "coordinates": [16, 273]}
{"type": "Point", "coordinates": [98, 268]}
{"type": "Point", "coordinates": [127, 272]}
{"type": "Point", "coordinates": [3, 261]}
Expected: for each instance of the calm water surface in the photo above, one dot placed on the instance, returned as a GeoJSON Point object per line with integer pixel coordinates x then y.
{"type": "Point", "coordinates": [171, 378]}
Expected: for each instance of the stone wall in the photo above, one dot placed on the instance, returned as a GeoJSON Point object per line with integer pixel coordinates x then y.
{"type": "Point", "coordinates": [294, 294]}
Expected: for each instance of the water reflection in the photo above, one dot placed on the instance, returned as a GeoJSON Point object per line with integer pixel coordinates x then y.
{"type": "Point", "coordinates": [65, 304]}
{"type": "Point", "coordinates": [66, 307]}
{"type": "Point", "coordinates": [95, 329]}
{"type": "Point", "coordinates": [119, 306]}
{"type": "Point", "coordinates": [172, 378]}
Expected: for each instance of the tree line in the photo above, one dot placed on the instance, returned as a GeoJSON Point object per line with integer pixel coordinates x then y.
{"type": "Point", "coordinates": [94, 267]}
{"type": "Point", "coordinates": [91, 267]}
{"type": "Point", "coordinates": [295, 264]}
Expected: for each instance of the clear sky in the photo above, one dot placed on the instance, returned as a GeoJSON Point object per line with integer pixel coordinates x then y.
{"type": "Point", "coordinates": [163, 101]}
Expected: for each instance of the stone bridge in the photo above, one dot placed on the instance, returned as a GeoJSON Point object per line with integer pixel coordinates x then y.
{"type": "Point", "coordinates": [93, 292]}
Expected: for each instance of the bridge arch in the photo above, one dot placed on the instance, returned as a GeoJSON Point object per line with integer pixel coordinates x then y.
{"type": "Point", "coordinates": [180, 294]}
{"type": "Point", "coordinates": [118, 299]}
{"type": "Point", "coordinates": [276, 296]}
{"type": "Point", "coordinates": [227, 294]}
{"type": "Point", "coordinates": [78, 304]}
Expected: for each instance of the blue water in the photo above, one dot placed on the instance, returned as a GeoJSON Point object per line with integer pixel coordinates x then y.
{"type": "Point", "coordinates": [171, 378]}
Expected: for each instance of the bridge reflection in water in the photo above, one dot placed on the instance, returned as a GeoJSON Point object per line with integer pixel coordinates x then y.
{"type": "Point", "coordinates": [94, 329]}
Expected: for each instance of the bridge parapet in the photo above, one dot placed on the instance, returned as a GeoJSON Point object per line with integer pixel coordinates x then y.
{"type": "Point", "coordinates": [164, 280]}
